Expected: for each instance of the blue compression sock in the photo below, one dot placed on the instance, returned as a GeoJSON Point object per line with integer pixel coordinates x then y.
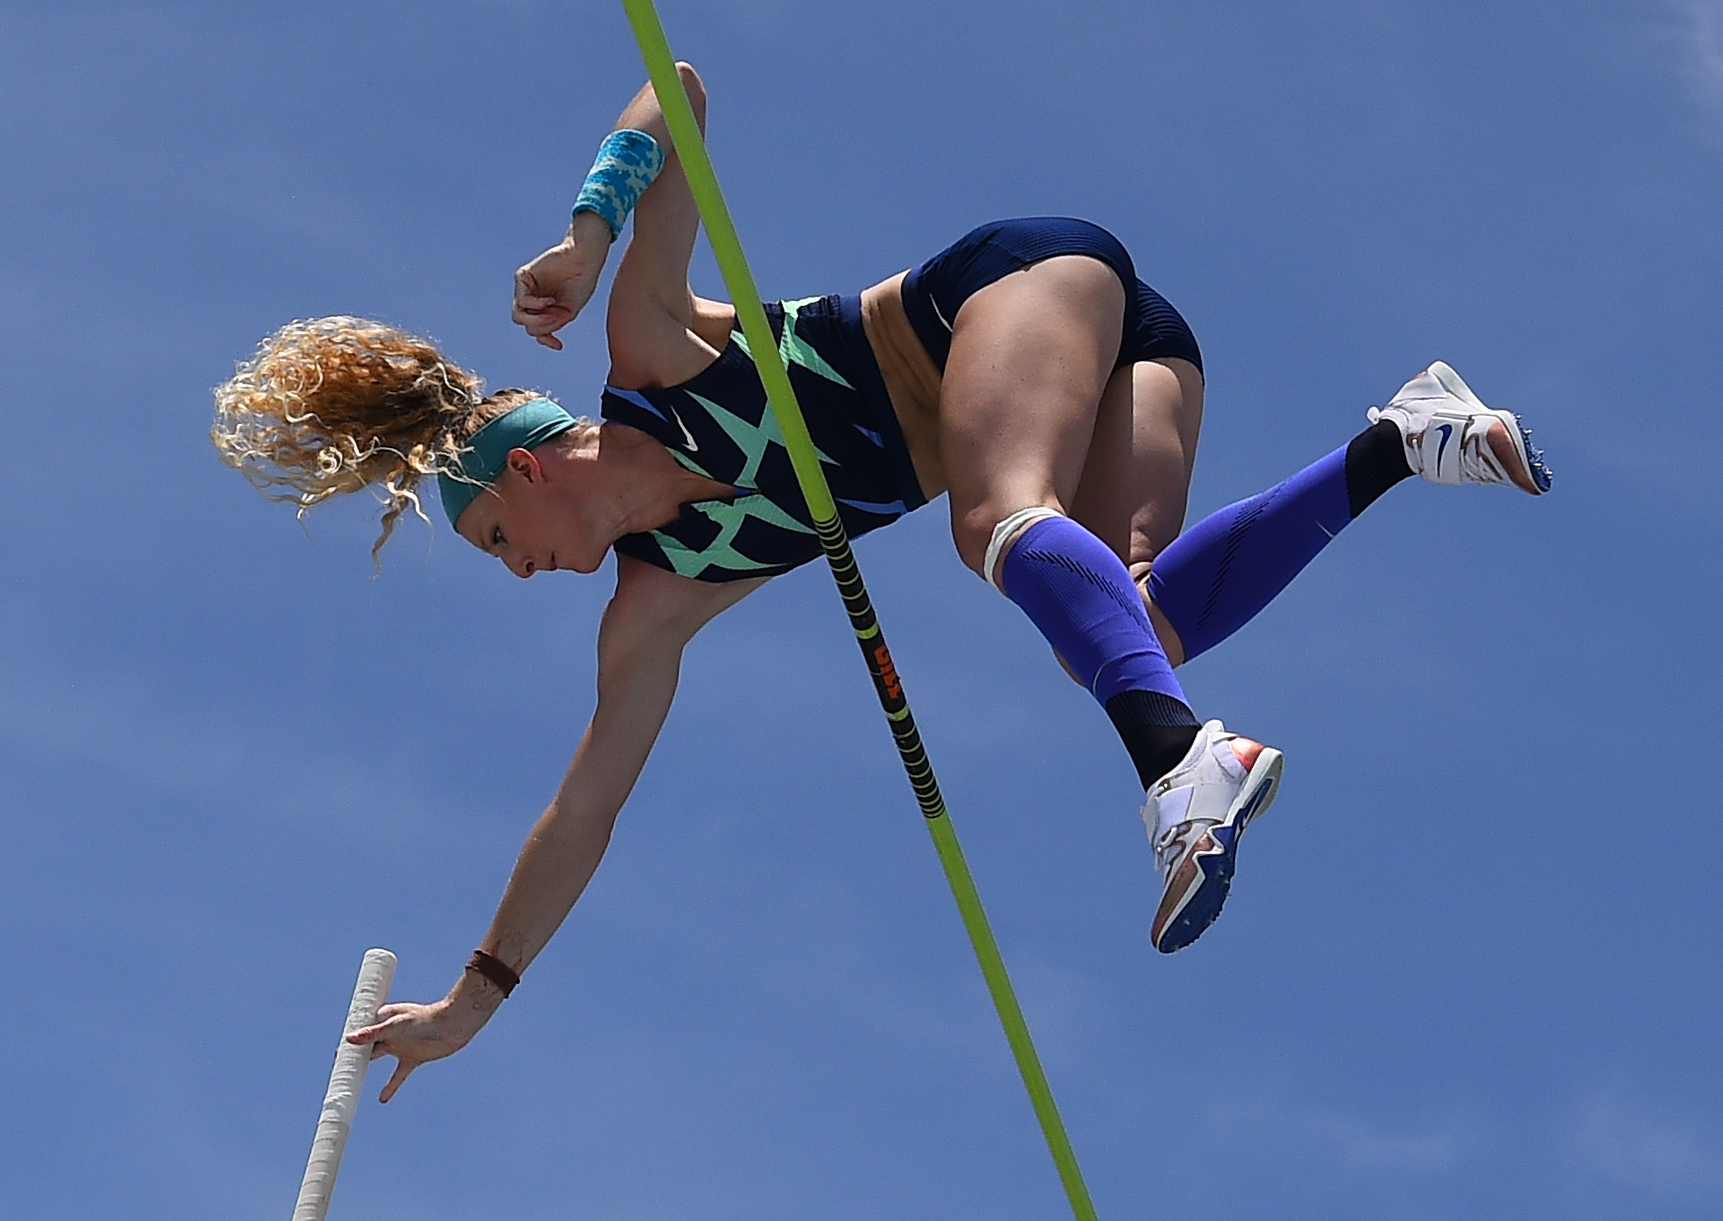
{"type": "Point", "coordinates": [1080, 596]}
{"type": "Point", "coordinates": [1215, 577]}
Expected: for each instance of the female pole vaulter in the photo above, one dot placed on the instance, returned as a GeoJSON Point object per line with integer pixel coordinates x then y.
{"type": "Point", "coordinates": [1025, 372]}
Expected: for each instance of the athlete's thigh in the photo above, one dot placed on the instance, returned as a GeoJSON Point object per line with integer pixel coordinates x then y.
{"type": "Point", "coordinates": [1137, 473]}
{"type": "Point", "coordinates": [1031, 354]}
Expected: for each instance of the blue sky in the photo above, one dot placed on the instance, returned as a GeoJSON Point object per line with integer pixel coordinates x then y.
{"type": "Point", "coordinates": [1470, 967]}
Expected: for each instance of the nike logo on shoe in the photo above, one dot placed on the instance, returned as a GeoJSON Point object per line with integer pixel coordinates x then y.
{"type": "Point", "coordinates": [1447, 431]}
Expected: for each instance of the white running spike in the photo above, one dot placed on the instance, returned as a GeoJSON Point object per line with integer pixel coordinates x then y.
{"type": "Point", "coordinates": [1445, 429]}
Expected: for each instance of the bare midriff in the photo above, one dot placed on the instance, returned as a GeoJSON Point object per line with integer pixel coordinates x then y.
{"type": "Point", "coordinates": [911, 378]}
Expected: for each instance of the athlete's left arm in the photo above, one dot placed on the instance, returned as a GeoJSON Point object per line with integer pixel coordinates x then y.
{"type": "Point", "coordinates": [650, 619]}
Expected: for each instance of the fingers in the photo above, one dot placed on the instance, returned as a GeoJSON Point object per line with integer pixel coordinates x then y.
{"type": "Point", "coordinates": [541, 322]}
{"type": "Point", "coordinates": [413, 1034]}
{"type": "Point", "coordinates": [528, 298]}
{"type": "Point", "coordinates": [403, 1069]}
{"type": "Point", "coordinates": [527, 308]}
{"type": "Point", "coordinates": [541, 314]}
{"type": "Point", "coordinates": [389, 1021]}
{"type": "Point", "coordinates": [544, 313]}
{"type": "Point", "coordinates": [543, 327]}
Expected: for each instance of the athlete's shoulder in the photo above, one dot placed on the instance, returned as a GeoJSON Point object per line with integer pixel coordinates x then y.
{"type": "Point", "coordinates": [653, 602]}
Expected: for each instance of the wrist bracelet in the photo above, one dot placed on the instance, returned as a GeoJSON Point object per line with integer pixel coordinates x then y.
{"type": "Point", "coordinates": [627, 162]}
{"type": "Point", "coordinates": [495, 970]}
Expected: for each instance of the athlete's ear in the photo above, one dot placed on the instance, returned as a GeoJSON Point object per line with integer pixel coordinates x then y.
{"type": "Point", "coordinates": [525, 464]}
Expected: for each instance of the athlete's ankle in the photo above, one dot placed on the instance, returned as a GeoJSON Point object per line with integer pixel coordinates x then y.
{"type": "Point", "coordinates": [1156, 729]}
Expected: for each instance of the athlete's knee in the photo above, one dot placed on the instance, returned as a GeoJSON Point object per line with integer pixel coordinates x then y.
{"type": "Point", "coordinates": [970, 531]}
{"type": "Point", "coordinates": [984, 535]}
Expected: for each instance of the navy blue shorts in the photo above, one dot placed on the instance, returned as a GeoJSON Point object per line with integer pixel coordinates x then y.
{"type": "Point", "coordinates": [935, 291]}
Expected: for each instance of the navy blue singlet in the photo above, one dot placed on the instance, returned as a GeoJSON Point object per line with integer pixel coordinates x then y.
{"type": "Point", "coordinates": [717, 424]}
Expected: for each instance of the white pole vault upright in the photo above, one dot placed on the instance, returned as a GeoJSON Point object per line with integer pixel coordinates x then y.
{"type": "Point", "coordinates": [346, 1079]}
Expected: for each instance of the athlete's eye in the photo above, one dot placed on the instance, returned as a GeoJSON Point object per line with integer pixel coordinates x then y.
{"type": "Point", "coordinates": [496, 537]}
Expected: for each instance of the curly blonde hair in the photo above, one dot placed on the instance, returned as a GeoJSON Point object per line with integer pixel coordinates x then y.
{"type": "Point", "coordinates": [333, 405]}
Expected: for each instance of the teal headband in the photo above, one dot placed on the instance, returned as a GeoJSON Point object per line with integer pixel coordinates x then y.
{"type": "Point", "coordinates": [526, 427]}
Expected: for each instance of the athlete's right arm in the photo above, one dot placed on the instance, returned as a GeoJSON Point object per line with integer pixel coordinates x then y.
{"type": "Point", "coordinates": [650, 302]}
{"type": "Point", "coordinates": [649, 621]}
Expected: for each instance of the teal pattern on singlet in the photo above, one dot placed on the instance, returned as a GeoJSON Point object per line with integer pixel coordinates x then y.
{"type": "Point", "coordinates": [754, 440]}
{"type": "Point", "coordinates": [718, 425]}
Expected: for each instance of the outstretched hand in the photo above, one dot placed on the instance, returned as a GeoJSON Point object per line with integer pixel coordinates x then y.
{"type": "Point", "coordinates": [418, 1034]}
{"type": "Point", "coordinates": [551, 290]}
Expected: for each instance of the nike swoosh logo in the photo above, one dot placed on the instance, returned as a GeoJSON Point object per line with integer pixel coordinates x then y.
{"type": "Point", "coordinates": [936, 313]}
{"type": "Point", "coordinates": [1447, 432]}
{"type": "Point", "coordinates": [693, 446]}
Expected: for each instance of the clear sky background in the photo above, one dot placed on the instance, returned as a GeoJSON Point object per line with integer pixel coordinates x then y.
{"type": "Point", "coordinates": [1470, 966]}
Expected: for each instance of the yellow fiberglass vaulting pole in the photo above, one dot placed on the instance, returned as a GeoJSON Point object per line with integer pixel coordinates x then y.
{"type": "Point", "coordinates": [727, 248]}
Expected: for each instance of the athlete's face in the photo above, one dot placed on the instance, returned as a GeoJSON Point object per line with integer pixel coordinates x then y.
{"type": "Point", "coordinates": [531, 519]}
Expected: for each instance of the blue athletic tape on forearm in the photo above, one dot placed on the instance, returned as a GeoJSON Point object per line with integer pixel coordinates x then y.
{"type": "Point", "coordinates": [627, 163]}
